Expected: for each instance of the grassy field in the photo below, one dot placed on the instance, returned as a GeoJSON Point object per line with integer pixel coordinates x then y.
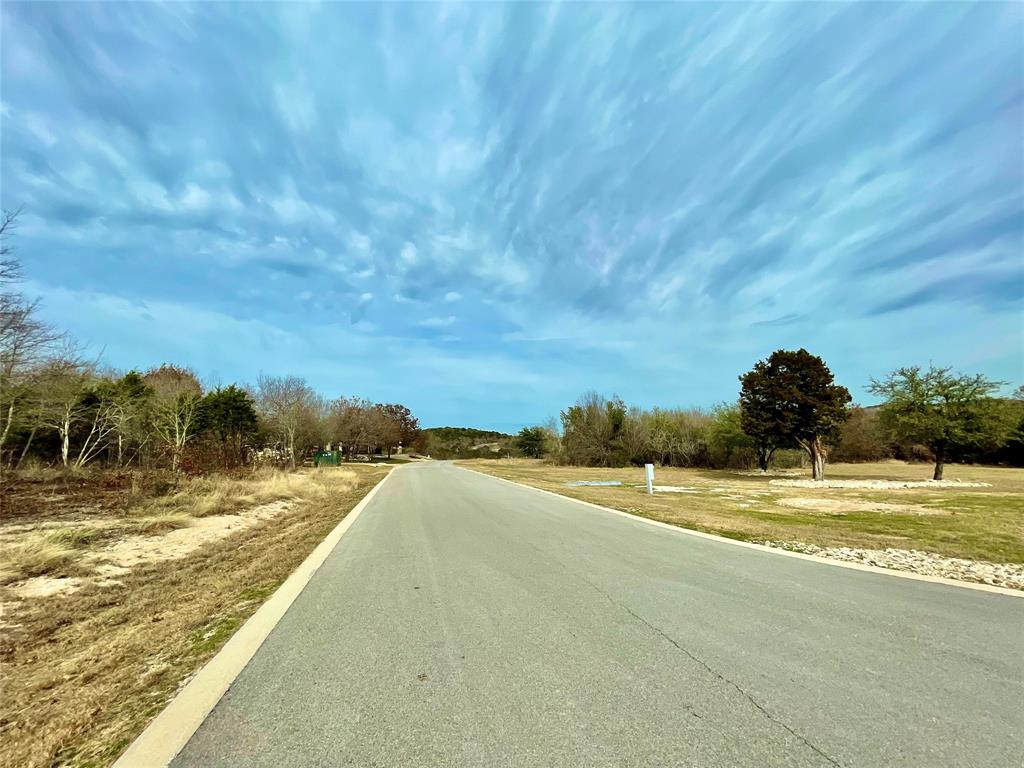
{"type": "Point", "coordinates": [975, 523]}
{"type": "Point", "coordinates": [116, 588]}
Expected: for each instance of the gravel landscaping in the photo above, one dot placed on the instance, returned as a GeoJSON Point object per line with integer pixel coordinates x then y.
{"type": "Point", "coordinates": [1010, 575]}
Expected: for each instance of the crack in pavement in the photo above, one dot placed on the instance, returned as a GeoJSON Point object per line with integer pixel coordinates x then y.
{"type": "Point", "coordinates": [760, 707]}
{"type": "Point", "coordinates": [707, 667]}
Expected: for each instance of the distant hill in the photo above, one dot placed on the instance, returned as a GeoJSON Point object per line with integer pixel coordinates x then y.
{"type": "Point", "coordinates": [466, 443]}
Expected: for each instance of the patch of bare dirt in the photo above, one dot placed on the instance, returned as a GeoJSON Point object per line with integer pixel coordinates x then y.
{"type": "Point", "coordinates": [45, 586]}
{"type": "Point", "coordinates": [767, 472]}
{"type": "Point", "coordinates": [133, 550]}
{"type": "Point", "coordinates": [844, 506]}
{"type": "Point", "coordinates": [877, 484]}
{"type": "Point", "coordinates": [670, 488]}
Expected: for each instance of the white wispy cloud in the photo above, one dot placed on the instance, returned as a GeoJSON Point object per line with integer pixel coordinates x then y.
{"type": "Point", "coordinates": [641, 198]}
{"type": "Point", "coordinates": [437, 322]}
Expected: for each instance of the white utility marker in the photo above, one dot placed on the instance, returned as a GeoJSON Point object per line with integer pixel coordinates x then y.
{"type": "Point", "coordinates": [649, 472]}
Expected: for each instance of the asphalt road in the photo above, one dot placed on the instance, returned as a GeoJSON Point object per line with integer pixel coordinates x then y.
{"type": "Point", "coordinates": [465, 621]}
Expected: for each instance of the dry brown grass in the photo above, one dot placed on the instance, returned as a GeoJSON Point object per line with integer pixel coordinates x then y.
{"type": "Point", "coordinates": [84, 672]}
{"type": "Point", "coordinates": [52, 551]}
{"type": "Point", "coordinates": [38, 554]}
{"type": "Point", "coordinates": [974, 523]}
{"type": "Point", "coordinates": [160, 523]}
{"type": "Point", "coordinates": [218, 495]}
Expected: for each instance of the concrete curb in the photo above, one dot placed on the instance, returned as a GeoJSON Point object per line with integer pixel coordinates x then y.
{"type": "Point", "coordinates": [771, 550]}
{"type": "Point", "coordinates": [172, 729]}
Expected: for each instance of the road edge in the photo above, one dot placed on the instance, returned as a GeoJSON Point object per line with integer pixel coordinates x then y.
{"type": "Point", "coordinates": [765, 548]}
{"type": "Point", "coordinates": [174, 727]}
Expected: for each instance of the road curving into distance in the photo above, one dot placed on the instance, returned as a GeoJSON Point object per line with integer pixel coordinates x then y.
{"type": "Point", "coordinates": [465, 621]}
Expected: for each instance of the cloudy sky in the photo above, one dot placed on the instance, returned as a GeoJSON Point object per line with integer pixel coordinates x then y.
{"type": "Point", "coordinates": [483, 211]}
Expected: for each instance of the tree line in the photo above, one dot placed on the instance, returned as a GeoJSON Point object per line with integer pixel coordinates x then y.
{"type": "Point", "coordinates": [59, 407]}
{"type": "Point", "coordinates": [790, 405]}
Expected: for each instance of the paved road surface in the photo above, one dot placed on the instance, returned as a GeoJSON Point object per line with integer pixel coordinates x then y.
{"type": "Point", "coordinates": [465, 621]}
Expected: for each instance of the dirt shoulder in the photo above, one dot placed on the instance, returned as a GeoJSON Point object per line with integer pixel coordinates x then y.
{"type": "Point", "coordinates": [111, 604]}
{"type": "Point", "coordinates": [972, 530]}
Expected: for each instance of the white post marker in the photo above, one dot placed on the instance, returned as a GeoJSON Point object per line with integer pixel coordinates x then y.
{"type": "Point", "coordinates": [649, 472]}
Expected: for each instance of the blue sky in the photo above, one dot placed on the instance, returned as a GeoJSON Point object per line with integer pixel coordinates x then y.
{"type": "Point", "coordinates": [484, 210]}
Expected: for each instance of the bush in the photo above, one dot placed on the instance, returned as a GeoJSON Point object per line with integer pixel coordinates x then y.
{"type": "Point", "coordinates": [861, 438]}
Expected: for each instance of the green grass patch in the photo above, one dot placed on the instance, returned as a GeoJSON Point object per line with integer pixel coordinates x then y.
{"type": "Point", "coordinates": [212, 636]}
{"type": "Point", "coordinates": [259, 593]}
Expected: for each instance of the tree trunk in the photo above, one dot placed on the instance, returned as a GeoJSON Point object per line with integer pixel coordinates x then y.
{"type": "Point", "coordinates": [65, 438]}
{"type": "Point", "coordinates": [24, 451]}
{"type": "Point", "coordinates": [88, 448]}
{"type": "Point", "coordinates": [817, 458]}
{"type": "Point", "coordinates": [818, 453]}
{"type": "Point", "coordinates": [7, 428]}
{"type": "Point", "coordinates": [764, 457]}
{"type": "Point", "coordinates": [940, 460]}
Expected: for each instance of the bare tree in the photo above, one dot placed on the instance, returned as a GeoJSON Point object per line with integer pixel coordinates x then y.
{"type": "Point", "coordinates": [348, 423]}
{"type": "Point", "coordinates": [290, 407]}
{"type": "Point", "coordinates": [26, 342]}
{"type": "Point", "coordinates": [175, 407]}
{"type": "Point", "coordinates": [10, 268]}
{"type": "Point", "coordinates": [402, 428]}
{"type": "Point", "coordinates": [69, 402]}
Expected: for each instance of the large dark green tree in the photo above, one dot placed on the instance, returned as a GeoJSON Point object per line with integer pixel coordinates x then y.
{"type": "Point", "coordinates": [229, 415]}
{"type": "Point", "coordinates": [942, 410]}
{"type": "Point", "coordinates": [531, 441]}
{"type": "Point", "coordinates": [792, 398]}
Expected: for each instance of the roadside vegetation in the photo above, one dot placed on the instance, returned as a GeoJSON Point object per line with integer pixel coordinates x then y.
{"type": "Point", "coordinates": [790, 413]}
{"type": "Point", "coordinates": [116, 588]}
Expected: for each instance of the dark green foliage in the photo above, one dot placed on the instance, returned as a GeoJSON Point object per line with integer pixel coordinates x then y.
{"type": "Point", "coordinates": [791, 398]}
{"type": "Point", "coordinates": [466, 443]}
{"type": "Point", "coordinates": [228, 416]}
{"type": "Point", "coordinates": [1012, 450]}
{"type": "Point", "coordinates": [531, 442]}
{"type": "Point", "coordinates": [132, 387]}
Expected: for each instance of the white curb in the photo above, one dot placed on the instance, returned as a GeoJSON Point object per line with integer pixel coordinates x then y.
{"type": "Point", "coordinates": [168, 734]}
